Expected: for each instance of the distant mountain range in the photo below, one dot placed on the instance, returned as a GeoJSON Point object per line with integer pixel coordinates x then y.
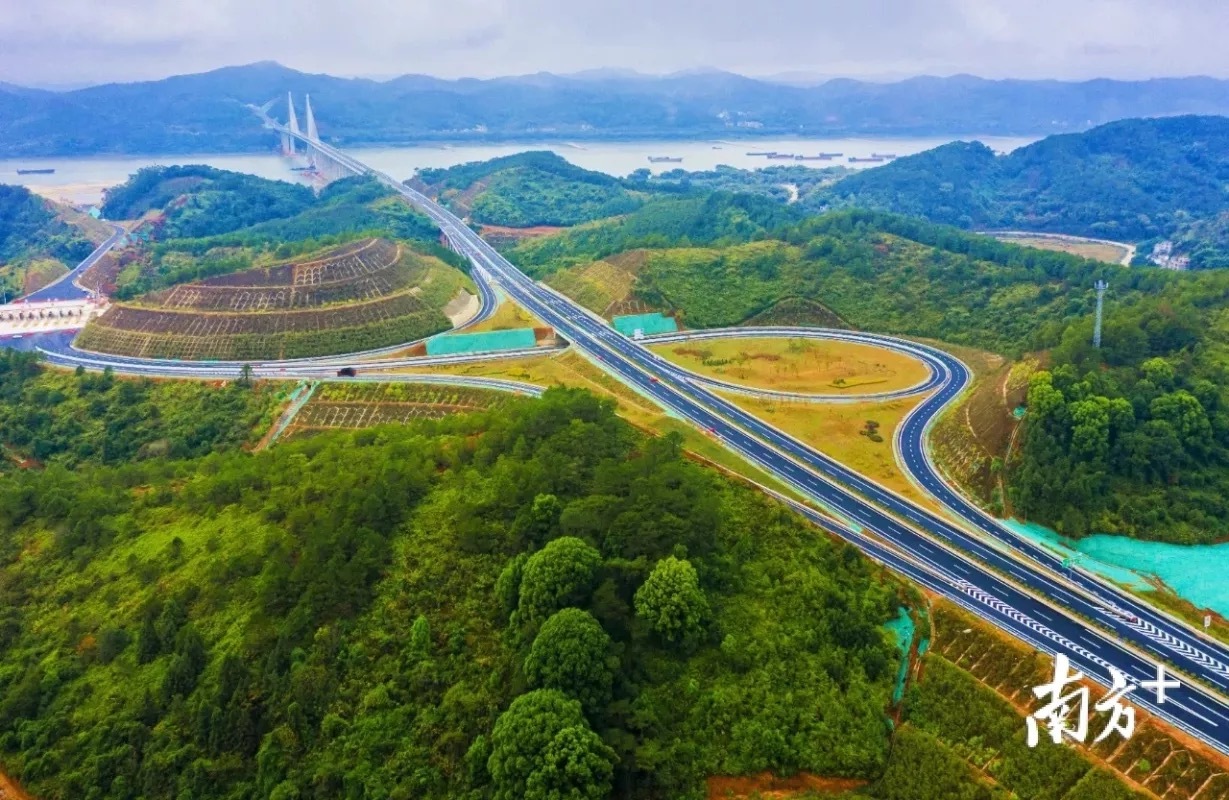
{"type": "Point", "coordinates": [205, 112]}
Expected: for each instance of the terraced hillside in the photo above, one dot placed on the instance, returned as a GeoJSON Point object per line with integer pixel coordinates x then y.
{"type": "Point", "coordinates": [366, 294]}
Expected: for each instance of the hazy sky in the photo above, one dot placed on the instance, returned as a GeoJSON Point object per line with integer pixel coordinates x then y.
{"type": "Point", "coordinates": [90, 41]}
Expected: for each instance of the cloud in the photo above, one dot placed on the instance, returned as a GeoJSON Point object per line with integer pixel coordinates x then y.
{"type": "Point", "coordinates": [73, 41]}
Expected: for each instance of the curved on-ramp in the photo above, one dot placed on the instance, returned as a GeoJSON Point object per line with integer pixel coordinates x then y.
{"type": "Point", "coordinates": [1112, 607]}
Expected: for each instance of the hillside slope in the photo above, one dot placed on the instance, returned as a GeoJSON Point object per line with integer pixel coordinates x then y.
{"type": "Point", "coordinates": [528, 189]}
{"type": "Point", "coordinates": [196, 200]}
{"type": "Point", "coordinates": [204, 222]}
{"type": "Point", "coordinates": [375, 610]}
{"type": "Point", "coordinates": [364, 295]}
{"type": "Point", "coordinates": [1127, 181]}
{"type": "Point", "coordinates": [35, 245]}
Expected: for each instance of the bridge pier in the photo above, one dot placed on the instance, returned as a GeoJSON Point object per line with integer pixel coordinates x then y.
{"type": "Point", "coordinates": [328, 168]}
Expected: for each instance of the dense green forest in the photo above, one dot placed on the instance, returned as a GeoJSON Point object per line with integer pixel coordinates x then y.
{"type": "Point", "coordinates": [528, 189]}
{"type": "Point", "coordinates": [30, 231]}
{"type": "Point", "coordinates": [202, 201]}
{"type": "Point", "coordinates": [722, 259]}
{"type": "Point", "coordinates": [542, 188]}
{"type": "Point", "coordinates": [713, 219]}
{"type": "Point", "coordinates": [771, 181]}
{"type": "Point", "coordinates": [537, 603]}
{"type": "Point", "coordinates": [57, 418]}
{"type": "Point", "coordinates": [1133, 438]}
{"type": "Point", "coordinates": [345, 210]}
{"type": "Point", "coordinates": [1130, 181]}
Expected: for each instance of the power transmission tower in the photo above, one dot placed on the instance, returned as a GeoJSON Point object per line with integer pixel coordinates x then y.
{"type": "Point", "coordinates": [1096, 330]}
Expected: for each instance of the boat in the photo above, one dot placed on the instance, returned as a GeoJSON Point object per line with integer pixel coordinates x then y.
{"type": "Point", "coordinates": [871, 160]}
{"type": "Point", "coordinates": [665, 159]}
{"type": "Point", "coordinates": [762, 153]}
{"type": "Point", "coordinates": [884, 156]}
{"type": "Point", "coordinates": [782, 157]}
{"type": "Point", "coordinates": [39, 171]}
{"type": "Point", "coordinates": [820, 157]}
{"type": "Point", "coordinates": [832, 155]}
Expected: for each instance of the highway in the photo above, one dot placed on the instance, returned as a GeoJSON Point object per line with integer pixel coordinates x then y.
{"type": "Point", "coordinates": [1044, 623]}
{"type": "Point", "coordinates": [65, 287]}
{"type": "Point", "coordinates": [1018, 591]}
{"type": "Point", "coordinates": [56, 348]}
{"type": "Point", "coordinates": [1113, 608]}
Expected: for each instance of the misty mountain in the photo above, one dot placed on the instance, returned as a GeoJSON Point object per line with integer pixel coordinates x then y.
{"type": "Point", "coordinates": [205, 112]}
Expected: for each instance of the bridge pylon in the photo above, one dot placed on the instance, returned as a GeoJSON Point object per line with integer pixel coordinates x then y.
{"type": "Point", "coordinates": [288, 142]}
{"type": "Point", "coordinates": [312, 132]}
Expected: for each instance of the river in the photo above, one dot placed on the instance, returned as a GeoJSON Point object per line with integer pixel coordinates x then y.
{"type": "Point", "coordinates": [82, 180]}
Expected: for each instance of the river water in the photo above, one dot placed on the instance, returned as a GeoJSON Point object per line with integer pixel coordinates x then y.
{"type": "Point", "coordinates": [82, 180]}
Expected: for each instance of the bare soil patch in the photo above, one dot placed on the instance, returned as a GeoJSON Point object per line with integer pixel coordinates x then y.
{"type": "Point", "coordinates": [771, 787]}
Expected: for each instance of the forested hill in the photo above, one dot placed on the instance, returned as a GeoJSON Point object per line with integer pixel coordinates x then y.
{"type": "Point", "coordinates": [1128, 181]}
{"type": "Point", "coordinates": [197, 200]}
{"type": "Point", "coordinates": [536, 603]}
{"type": "Point", "coordinates": [1132, 438]}
{"type": "Point", "coordinates": [212, 222]}
{"type": "Point", "coordinates": [727, 259]}
{"type": "Point", "coordinates": [33, 238]}
{"type": "Point", "coordinates": [528, 189]}
{"type": "Point", "coordinates": [206, 112]}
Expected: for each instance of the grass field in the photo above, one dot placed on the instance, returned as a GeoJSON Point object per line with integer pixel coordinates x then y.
{"type": "Point", "coordinates": [605, 286]}
{"type": "Point", "coordinates": [798, 365]}
{"type": "Point", "coordinates": [507, 316]}
{"type": "Point", "coordinates": [572, 369]}
{"type": "Point", "coordinates": [41, 272]}
{"type": "Point", "coordinates": [836, 430]}
{"type": "Point", "coordinates": [1085, 248]}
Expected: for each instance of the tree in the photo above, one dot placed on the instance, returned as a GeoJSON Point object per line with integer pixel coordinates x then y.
{"type": "Point", "coordinates": [1159, 372]}
{"type": "Point", "coordinates": [543, 740]}
{"type": "Point", "coordinates": [1184, 413]}
{"type": "Point", "coordinates": [508, 585]}
{"type": "Point", "coordinates": [149, 643]}
{"type": "Point", "coordinates": [539, 522]}
{"type": "Point", "coordinates": [420, 638]}
{"type": "Point", "coordinates": [111, 642]}
{"type": "Point", "coordinates": [671, 601]}
{"type": "Point", "coordinates": [571, 653]}
{"type": "Point", "coordinates": [575, 765]}
{"type": "Point", "coordinates": [560, 574]}
{"type": "Point", "coordinates": [1090, 434]}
